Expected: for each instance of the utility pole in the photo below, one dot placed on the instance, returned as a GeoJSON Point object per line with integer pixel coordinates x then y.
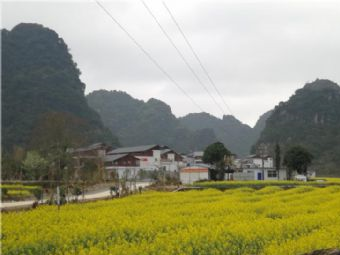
{"type": "Point", "coordinates": [164, 178]}
{"type": "Point", "coordinates": [58, 197]}
{"type": "Point", "coordinates": [277, 159]}
{"type": "Point", "coordinates": [58, 183]}
{"type": "Point", "coordinates": [262, 149]}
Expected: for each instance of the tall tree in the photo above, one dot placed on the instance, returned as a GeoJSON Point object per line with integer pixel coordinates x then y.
{"type": "Point", "coordinates": [35, 166]}
{"type": "Point", "coordinates": [11, 163]}
{"type": "Point", "coordinates": [297, 158]}
{"type": "Point", "coordinates": [54, 135]}
{"type": "Point", "coordinates": [277, 159]}
{"type": "Point", "coordinates": [216, 154]}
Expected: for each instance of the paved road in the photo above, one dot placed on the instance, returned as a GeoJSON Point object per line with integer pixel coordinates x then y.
{"type": "Point", "coordinates": [93, 195]}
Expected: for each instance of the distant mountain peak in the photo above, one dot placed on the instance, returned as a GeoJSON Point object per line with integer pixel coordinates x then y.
{"type": "Point", "coordinates": [25, 26]}
{"type": "Point", "coordinates": [322, 84]}
{"type": "Point", "coordinates": [230, 118]}
{"type": "Point", "coordinates": [156, 101]}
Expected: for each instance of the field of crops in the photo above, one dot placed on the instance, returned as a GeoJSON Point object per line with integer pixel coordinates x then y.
{"type": "Point", "coordinates": [237, 221]}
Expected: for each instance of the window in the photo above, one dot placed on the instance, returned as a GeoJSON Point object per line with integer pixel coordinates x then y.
{"type": "Point", "coordinates": [272, 173]}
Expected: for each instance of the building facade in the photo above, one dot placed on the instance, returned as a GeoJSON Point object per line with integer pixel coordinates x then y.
{"type": "Point", "coordinates": [131, 160]}
{"type": "Point", "coordinates": [191, 174]}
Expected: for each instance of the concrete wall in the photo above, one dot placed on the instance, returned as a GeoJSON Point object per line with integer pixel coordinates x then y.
{"type": "Point", "coordinates": [189, 178]}
{"type": "Point", "coordinates": [243, 176]}
{"type": "Point", "coordinates": [123, 172]}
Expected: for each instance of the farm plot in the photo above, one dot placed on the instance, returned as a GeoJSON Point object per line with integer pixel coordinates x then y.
{"type": "Point", "coordinates": [237, 221]}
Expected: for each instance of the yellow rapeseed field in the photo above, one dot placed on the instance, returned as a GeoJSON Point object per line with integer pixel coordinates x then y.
{"type": "Point", "coordinates": [270, 221]}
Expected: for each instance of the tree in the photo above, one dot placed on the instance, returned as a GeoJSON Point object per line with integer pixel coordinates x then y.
{"type": "Point", "coordinates": [12, 163]}
{"type": "Point", "coordinates": [297, 158]}
{"type": "Point", "coordinates": [8, 166]}
{"type": "Point", "coordinates": [277, 159]}
{"type": "Point", "coordinates": [215, 154]}
{"type": "Point", "coordinates": [35, 165]}
{"type": "Point", "coordinates": [262, 151]}
{"type": "Point", "coordinates": [54, 135]}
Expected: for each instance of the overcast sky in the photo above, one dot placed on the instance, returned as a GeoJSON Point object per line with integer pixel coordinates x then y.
{"type": "Point", "coordinates": [257, 52]}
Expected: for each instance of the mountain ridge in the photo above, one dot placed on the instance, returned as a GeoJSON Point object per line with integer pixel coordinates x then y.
{"type": "Point", "coordinates": [138, 122]}
{"type": "Point", "coordinates": [127, 120]}
{"type": "Point", "coordinates": [311, 118]}
{"type": "Point", "coordinates": [39, 76]}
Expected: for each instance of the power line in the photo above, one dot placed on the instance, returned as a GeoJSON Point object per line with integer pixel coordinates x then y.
{"type": "Point", "coordinates": [148, 55]}
{"type": "Point", "coordinates": [197, 58]}
{"type": "Point", "coordinates": [181, 55]}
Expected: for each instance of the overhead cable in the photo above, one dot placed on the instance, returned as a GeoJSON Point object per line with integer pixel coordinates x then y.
{"type": "Point", "coordinates": [197, 58]}
{"type": "Point", "coordinates": [154, 61]}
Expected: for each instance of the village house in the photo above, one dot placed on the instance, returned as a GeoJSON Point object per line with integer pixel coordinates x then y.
{"type": "Point", "coordinates": [191, 174]}
{"type": "Point", "coordinates": [124, 165]}
{"type": "Point", "coordinates": [255, 167]}
{"type": "Point", "coordinates": [171, 160]}
{"type": "Point", "coordinates": [93, 153]}
{"type": "Point", "coordinates": [194, 158]}
{"type": "Point", "coordinates": [130, 160]}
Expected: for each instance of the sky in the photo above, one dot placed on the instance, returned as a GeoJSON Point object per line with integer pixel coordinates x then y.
{"type": "Point", "coordinates": [257, 53]}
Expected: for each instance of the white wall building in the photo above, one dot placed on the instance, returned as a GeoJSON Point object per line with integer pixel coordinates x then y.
{"type": "Point", "coordinates": [191, 174]}
{"type": "Point", "coordinates": [149, 158]}
{"type": "Point", "coordinates": [270, 174]}
{"type": "Point", "coordinates": [257, 168]}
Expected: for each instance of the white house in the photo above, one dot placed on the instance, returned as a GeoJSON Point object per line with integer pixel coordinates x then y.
{"type": "Point", "coordinates": [191, 174]}
{"type": "Point", "coordinates": [130, 160]}
{"type": "Point", "coordinates": [194, 158]}
{"type": "Point", "coordinates": [254, 161]}
{"type": "Point", "coordinates": [260, 174]}
{"type": "Point", "coordinates": [258, 168]}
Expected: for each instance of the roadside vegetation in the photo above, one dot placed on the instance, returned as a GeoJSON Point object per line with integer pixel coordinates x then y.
{"type": "Point", "coordinates": [19, 192]}
{"type": "Point", "coordinates": [319, 182]}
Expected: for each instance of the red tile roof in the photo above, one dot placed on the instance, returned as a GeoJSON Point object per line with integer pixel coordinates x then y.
{"type": "Point", "coordinates": [194, 170]}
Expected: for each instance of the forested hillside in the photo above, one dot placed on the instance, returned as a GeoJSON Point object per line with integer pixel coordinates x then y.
{"type": "Point", "coordinates": [40, 78]}
{"type": "Point", "coordinates": [235, 135]}
{"type": "Point", "coordinates": [137, 122]}
{"type": "Point", "coordinates": [311, 117]}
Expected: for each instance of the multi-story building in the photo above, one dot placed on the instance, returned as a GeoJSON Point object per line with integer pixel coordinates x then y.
{"type": "Point", "coordinates": [130, 160]}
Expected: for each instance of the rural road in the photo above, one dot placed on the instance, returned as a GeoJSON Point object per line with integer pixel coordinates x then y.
{"type": "Point", "coordinates": [93, 195]}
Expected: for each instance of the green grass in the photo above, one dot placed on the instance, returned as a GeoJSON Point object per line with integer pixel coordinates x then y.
{"type": "Point", "coordinates": [261, 184]}
{"type": "Point", "coordinates": [16, 191]}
